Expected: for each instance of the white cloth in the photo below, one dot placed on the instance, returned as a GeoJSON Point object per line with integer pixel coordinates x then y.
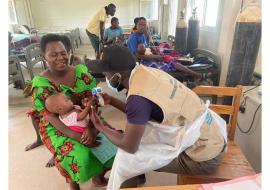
{"type": "Point", "coordinates": [148, 51]}
{"type": "Point", "coordinates": [159, 145]}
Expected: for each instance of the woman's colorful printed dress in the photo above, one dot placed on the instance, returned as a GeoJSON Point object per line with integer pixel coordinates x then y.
{"type": "Point", "coordinates": [74, 160]}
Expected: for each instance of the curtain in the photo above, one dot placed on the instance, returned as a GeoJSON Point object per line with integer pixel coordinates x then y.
{"type": "Point", "coordinates": [167, 17]}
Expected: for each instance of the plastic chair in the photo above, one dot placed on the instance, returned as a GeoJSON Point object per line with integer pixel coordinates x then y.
{"type": "Point", "coordinates": [15, 72]}
{"type": "Point", "coordinates": [33, 56]}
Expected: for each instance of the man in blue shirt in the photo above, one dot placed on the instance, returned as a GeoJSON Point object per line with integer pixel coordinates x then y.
{"type": "Point", "coordinates": [113, 31]}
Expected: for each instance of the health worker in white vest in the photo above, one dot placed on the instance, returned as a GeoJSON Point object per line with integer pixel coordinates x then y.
{"type": "Point", "coordinates": [168, 128]}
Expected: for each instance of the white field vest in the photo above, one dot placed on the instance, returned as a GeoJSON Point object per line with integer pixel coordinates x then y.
{"type": "Point", "coordinates": [188, 125]}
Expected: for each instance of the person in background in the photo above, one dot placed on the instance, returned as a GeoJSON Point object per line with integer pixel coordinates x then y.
{"type": "Point", "coordinates": [137, 44]}
{"type": "Point", "coordinates": [147, 32]}
{"type": "Point", "coordinates": [167, 64]}
{"type": "Point", "coordinates": [134, 29]}
{"type": "Point", "coordinates": [96, 25]}
{"type": "Point", "coordinates": [138, 37]}
{"type": "Point", "coordinates": [113, 32]}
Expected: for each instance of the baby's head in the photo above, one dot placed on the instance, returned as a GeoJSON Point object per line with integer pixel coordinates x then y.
{"type": "Point", "coordinates": [141, 49]}
{"type": "Point", "coordinates": [59, 104]}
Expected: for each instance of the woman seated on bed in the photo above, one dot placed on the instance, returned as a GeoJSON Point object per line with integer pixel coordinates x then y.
{"type": "Point", "coordinates": [147, 32]}
{"type": "Point", "coordinates": [137, 44]}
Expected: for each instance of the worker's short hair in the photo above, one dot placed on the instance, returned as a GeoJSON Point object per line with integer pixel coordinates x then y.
{"type": "Point", "coordinates": [111, 5]}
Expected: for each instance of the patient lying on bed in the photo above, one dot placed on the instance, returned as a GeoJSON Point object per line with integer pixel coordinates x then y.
{"type": "Point", "coordinates": [167, 64]}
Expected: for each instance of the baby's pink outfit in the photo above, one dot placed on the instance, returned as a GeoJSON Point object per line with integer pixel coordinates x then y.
{"type": "Point", "coordinates": [71, 121]}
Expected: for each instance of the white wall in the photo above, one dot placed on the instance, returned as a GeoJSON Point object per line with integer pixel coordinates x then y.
{"type": "Point", "coordinates": [22, 14]}
{"type": "Point", "coordinates": [70, 13]}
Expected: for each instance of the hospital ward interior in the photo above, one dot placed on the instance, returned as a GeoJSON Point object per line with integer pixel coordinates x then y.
{"type": "Point", "coordinates": [134, 94]}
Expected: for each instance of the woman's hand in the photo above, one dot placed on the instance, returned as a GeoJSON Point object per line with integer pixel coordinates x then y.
{"type": "Point", "coordinates": [154, 51]}
{"type": "Point", "coordinates": [89, 138]}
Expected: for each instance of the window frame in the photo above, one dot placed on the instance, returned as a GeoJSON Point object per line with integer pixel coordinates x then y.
{"type": "Point", "coordinates": [149, 19]}
{"type": "Point", "coordinates": [203, 26]}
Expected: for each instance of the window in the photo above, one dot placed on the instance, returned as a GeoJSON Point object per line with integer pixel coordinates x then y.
{"type": "Point", "coordinates": [211, 13]}
{"type": "Point", "coordinates": [207, 11]}
{"type": "Point", "coordinates": [12, 17]}
{"type": "Point", "coordinates": [149, 9]}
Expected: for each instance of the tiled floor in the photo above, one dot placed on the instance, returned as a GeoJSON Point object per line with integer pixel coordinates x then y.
{"type": "Point", "coordinates": [27, 169]}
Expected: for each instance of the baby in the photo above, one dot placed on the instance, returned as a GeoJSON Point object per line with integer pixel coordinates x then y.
{"type": "Point", "coordinates": [143, 51]}
{"type": "Point", "coordinates": [74, 117]}
{"type": "Point", "coordinates": [157, 61]}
